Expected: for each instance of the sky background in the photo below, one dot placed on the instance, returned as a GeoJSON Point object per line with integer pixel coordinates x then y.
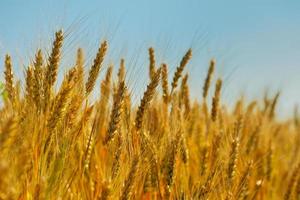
{"type": "Point", "coordinates": [256, 43]}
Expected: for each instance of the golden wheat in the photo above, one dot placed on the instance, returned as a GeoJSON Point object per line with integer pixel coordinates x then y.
{"type": "Point", "coordinates": [63, 145]}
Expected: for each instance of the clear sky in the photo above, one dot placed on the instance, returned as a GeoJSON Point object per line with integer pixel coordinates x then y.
{"type": "Point", "coordinates": [256, 43]}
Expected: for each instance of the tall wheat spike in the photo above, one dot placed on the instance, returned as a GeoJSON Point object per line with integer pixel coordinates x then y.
{"type": "Point", "coordinates": [145, 101]}
{"type": "Point", "coordinates": [115, 116]}
{"type": "Point", "coordinates": [164, 79]}
{"type": "Point", "coordinates": [38, 91]}
{"type": "Point", "coordinates": [152, 63]}
{"type": "Point", "coordinates": [95, 69]}
{"type": "Point", "coordinates": [180, 68]}
{"type": "Point", "coordinates": [80, 69]}
{"type": "Point", "coordinates": [29, 84]}
{"type": "Point", "coordinates": [208, 78]}
{"type": "Point", "coordinates": [121, 72]}
{"type": "Point", "coordinates": [216, 100]}
{"type": "Point", "coordinates": [9, 79]}
{"type": "Point", "coordinates": [53, 60]}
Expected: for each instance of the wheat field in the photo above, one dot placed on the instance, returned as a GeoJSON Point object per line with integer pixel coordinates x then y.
{"type": "Point", "coordinates": [59, 144]}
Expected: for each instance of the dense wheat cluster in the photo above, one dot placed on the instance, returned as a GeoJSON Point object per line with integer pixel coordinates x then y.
{"type": "Point", "coordinates": [61, 145]}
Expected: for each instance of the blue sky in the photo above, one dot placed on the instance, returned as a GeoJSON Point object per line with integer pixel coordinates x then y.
{"type": "Point", "coordinates": [256, 43]}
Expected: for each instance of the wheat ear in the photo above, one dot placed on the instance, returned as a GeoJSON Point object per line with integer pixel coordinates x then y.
{"type": "Point", "coordinates": [145, 101]}
{"type": "Point", "coordinates": [80, 68]}
{"type": "Point", "coordinates": [273, 106]}
{"type": "Point", "coordinates": [38, 78]}
{"type": "Point", "coordinates": [121, 72]}
{"type": "Point", "coordinates": [95, 69]}
{"type": "Point", "coordinates": [209, 75]}
{"type": "Point", "coordinates": [151, 63]}
{"type": "Point", "coordinates": [291, 183]}
{"type": "Point", "coordinates": [216, 100]}
{"type": "Point", "coordinates": [115, 116]}
{"type": "Point", "coordinates": [29, 84]}
{"type": "Point", "coordinates": [9, 79]}
{"type": "Point", "coordinates": [164, 82]}
{"type": "Point", "coordinates": [231, 170]}
{"type": "Point", "coordinates": [180, 69]}
{"type": "Point", "coordinates": [53, 61]}
{"type": "Point", "coordinates": [128, 185]}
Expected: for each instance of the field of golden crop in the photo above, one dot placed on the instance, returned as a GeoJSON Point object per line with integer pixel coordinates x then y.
{"type": "Point", "coordinates": [62, 145]}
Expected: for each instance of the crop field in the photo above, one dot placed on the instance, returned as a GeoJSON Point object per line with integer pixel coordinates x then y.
{"type": "Point", "coordinates": [58, 143]}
